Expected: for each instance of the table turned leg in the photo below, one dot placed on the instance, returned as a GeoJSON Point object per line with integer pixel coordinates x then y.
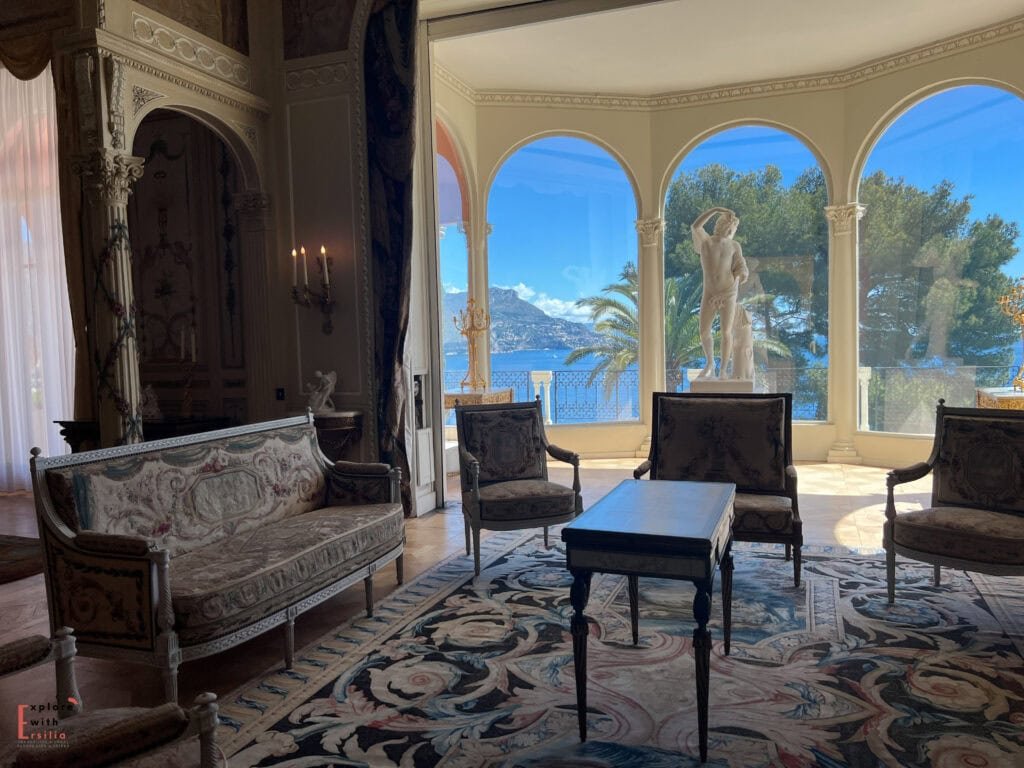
{"type": "Point", "coordinates": [726, 569]}
{"type": "Point", "coordinates": [578, 595]}
{"type": "Point", "coordinates": [633, 583]}
{"type": "Point", "coordinates": [702, 657]}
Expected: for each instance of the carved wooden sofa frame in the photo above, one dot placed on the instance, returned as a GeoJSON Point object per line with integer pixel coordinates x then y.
{"type": "Point", "coordinates": [114, 586]}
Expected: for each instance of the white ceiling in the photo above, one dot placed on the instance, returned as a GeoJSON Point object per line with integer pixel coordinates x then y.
{"type": "Point", "coordinates": [683, 45]}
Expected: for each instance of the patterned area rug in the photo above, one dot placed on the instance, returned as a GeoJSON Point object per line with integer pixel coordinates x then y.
{"type": "Point", "coordinates": [19, 557]}
{"type": "Point", "coordinates": [460, 672]}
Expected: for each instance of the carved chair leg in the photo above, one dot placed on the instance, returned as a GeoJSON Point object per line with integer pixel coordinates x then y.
{"type": "Point", "coordinates": [289, 643]}
{"type": "Point", "coordinates": [938, 570]}
{"type": "Point", "coordinates": [797, 565]}
{"type": "Point", "coordinates": [400, 569]}
{"type": "Point", "coordinates": [368, 586]}
{"type": "Point", "coordinates": [69, 700]}
{"type": "Point", "coordinates": [468, 550]}
{"type": "Point", "coordinates": [890, 574]}
{"type": "Point", "coordinates": [788, 548]}
{"type": "Point", "coordinates": [476, 551]}
{"type": "Point", "coordinates": [170, 675]}
{"type": "Point", "coordinates": [546, 546]}
{"type": "Point", "coordinates": [205, 712]}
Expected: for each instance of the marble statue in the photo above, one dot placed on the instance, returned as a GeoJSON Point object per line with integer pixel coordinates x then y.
{"type": "Point", "coordinates": [320, 392]}
{"type": "Point", "coordinates": [742, 345]}
{"type": "Point", "coordinates": [721, 261]}
{"type": "Point", "coordinates": [149, 405]}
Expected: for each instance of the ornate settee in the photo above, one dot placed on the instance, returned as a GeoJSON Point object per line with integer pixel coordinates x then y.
{"type": "Point", "coordinates": [172, 550]}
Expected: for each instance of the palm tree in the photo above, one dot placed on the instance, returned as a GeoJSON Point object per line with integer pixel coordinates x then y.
{"type": "Point", "coordinates": [616, 318]}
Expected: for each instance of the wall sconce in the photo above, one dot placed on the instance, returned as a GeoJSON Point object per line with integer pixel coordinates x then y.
{"type": "Point", "coordinates": [304, 296]}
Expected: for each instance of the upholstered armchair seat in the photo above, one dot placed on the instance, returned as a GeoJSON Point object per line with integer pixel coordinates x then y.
{"type": "Point", "coordinates": [503, 456]}
{"type": "Point", "coordinates": [745, 439]}
{"type": "Point", "coordinates": [755, 513]}
{"type": "Point", "coordinates": [525, 500]}
{"type": "Point", "coordinates": [975, 520]}
{"type": "Point", "coordinates": [964, 533]}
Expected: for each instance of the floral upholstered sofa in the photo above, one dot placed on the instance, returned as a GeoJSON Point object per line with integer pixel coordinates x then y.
{"type": "Point", "coordinates": [173, 550]}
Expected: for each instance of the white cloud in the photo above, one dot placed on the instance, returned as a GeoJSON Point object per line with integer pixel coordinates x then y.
{"type": "Point", "coordinates": [452, 288]}
{"type": "Point", "coordinates": [560, 308]}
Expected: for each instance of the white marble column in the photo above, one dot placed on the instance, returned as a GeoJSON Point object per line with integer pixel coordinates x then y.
{"type": "Point", "coordinates": [843, 329]}
{"type": "Point", "coordinates": [255, 226]}
{"type": "Point", "coordinates": [107, 177]}
{"type": "Point", "coordinates": [651, 271]}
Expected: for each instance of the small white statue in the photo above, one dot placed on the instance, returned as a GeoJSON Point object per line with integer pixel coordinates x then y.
{"type": "Point", "coordinates": [149, 405]}
{"type": "Point", "coordinates": [742, 345]}
{"type": "Point", "coordinates": [721, 260]}
{"type": "Point", "coordinates": [320, 392]}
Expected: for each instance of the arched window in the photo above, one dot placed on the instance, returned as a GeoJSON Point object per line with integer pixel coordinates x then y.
{"type": "Point", "coordinates": [775, 186]}
{"type": "Point", "coordinates": [454, 254]}
{"type": "Point", "coordinates": [939, 244]}
{"type": "Point", "coordinates": [563, 292]}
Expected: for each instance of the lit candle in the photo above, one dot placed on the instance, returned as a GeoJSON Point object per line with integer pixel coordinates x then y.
{"type": "Point", "coordinates": [193, 343]}
{"type": "Point", "coordinates": [305, 271]}
{"type": "Point", "coordinates": [327, 275]}
{"type": "Point", "coordinates": [295, 269]}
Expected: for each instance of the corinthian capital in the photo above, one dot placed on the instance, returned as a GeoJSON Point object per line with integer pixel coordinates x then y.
{"type": "Point", "coordinates": [844, 217]}
{"type": "Point", "coordinates": [109, 174]}
{"type": "Point", "coordinates": [649, 229]}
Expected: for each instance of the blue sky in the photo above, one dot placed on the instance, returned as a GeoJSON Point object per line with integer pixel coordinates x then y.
{"type": "Point", "coordinates": [563, 211]}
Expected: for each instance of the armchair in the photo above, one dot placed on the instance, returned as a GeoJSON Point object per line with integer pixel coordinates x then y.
{"type": "Point", "coordinates": [746, 439]}
{"type": "Point", "coordinates": [504, 473]}
{"type": "Point", "coordinates": [976, 518]}
{"type": "Point", "coordinates": [131, 737]}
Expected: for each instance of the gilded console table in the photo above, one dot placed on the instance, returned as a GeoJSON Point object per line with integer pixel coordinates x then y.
{"type": "Point", "coordinates": [477, 397]}
{"type": "Point", "coordinates": [1004, 398]}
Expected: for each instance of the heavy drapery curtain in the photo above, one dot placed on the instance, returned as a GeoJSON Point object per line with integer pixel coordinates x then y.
{"type": "Point", "coordinates": [36, 340]}
{"type": "Point", "coordinates": [390, 75]}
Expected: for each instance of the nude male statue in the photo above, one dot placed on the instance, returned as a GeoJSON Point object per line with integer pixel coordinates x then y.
{"type": "Point", "coordinates": [724, 268]}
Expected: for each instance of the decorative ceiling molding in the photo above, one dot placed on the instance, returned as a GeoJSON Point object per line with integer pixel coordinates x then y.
{"type": "Point", "coordinates": [824, 81]}
{"type": "Point", "coordinates": [142, 96]}
{"type": "Point", "coordinates": [192, 52]}
{"type": "Point", "coordinates": [315, 77]}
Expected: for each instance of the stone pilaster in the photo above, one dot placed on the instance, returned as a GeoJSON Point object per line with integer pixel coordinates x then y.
{"type": "Point", "coordinates": [651, 271]}
{"type": "Point", "coordinates": [842, 347]}
{"type": "Point", "coordinates": [255, 226]}
{"type": "Point", "coordinates": [107, 176]}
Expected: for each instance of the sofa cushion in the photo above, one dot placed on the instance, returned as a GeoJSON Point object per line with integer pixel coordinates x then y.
{"type": "Point", "coordinates": [756, 513]}
{"type": "Point", "coordinates": [722, 440]}
{"type": "Point", "coordinates": [966, 533]}
{"type": "Point", "coordinates": [525, 500]}
{"type": "Point", "coordinates": [246, 577]}
{"type": "Point", "coordinates": [188, 497]}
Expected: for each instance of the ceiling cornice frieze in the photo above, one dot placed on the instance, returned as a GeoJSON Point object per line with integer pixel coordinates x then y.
{"type": "Point", "coordinates": [817, 82]}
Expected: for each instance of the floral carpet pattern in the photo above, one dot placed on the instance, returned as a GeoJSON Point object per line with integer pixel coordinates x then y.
{"type": "Point", "coordinates": [458, 672]}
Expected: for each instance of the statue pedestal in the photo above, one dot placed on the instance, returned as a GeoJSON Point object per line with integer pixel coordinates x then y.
{"type": "Point", "coordinates": [722, 386]}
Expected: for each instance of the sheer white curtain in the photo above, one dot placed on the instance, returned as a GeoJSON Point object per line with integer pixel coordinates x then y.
{"type": "Point", "coordinates": [36, 342]}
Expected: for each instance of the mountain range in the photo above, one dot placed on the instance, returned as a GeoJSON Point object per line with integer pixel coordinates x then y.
{"type": "Point", "coordinates": [515, 325]}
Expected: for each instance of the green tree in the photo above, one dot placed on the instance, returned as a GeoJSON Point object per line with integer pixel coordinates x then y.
{"type": "Point", "coordinates": [930, 277]}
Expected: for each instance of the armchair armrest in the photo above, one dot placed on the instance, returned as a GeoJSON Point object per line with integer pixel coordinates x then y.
{"type": "Point", "coordinates": [791, 490]}
{"type": "Point", "coordinates": [113, 543]}
{"type": "Point", "coordinates": [907, 474]}
{"type": "Point", "coordinates": [28, 652]}
{"type": "Point", "coordinates": [470, 471]}
{"type": "Point", "coordinates": [353, 482]}
{"type": "Point", "coordinates": [642, 470]}
{"type": "Point", "coordinates": [24, 653]}
{"type": "Point", "coordinates": [562, 454]}
{"type": "Point", "coordinates": [570, 457]}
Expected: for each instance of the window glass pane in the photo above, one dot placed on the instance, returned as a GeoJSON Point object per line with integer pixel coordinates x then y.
{"type": "Point", "coordinates": [776, 188]}
{"type": "Point", "coordinates": [562, 272]}
{"type": "Point", "coordinates": [939, 243]}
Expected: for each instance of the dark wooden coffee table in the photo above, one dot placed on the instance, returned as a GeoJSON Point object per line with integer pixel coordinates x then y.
{"type": "Point", "coordinates": [669, 529]}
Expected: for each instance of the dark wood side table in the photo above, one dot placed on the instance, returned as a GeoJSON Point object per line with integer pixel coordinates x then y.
{"type": "Point", "coordinates": [667, 529]}
{"type": "Point", "coordinates": [335, 430]}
